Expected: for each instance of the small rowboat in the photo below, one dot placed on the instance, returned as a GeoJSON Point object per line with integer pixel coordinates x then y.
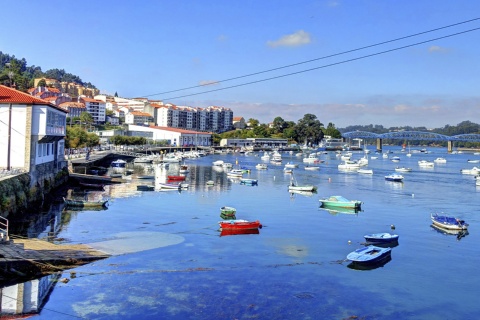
{"type": "Point", "coordinates": [239, 224]}
{"type": "Point", "coordinates": [249, 182]}
{"type": "Point", "coordinates": [383, 237]}
{"type": "Point", "coordinates": [228, 213]}
{"type": "Point", "coordinates": [370, 254]}
{"type": "Point", "coordinates": [176, 178]}
{"type": "Point", "coordinates": [85, 203]}
{"type": "Point", "coordinates": [450, 223]}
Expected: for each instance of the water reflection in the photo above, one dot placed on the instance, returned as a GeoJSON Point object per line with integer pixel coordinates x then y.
{"type": "Point", "coordinates": [231, 232]}
{"type": "Point", "coordinates": [458, 233]}
{"type": "Point", "coordinates": [370, 266]}
{"type": "Point", "coordinates": [335, 211]}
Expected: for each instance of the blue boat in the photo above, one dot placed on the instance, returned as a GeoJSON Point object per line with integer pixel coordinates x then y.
{"type": "Point", "coordinates": [383, 237]}
{"type": "Point", "coordinates": [449, 223]}
{"type": "Point", "coordinates": [249, 182]}
{"type": "Point", "coordinates": [394, 177]}
{"type": "Point", "coordinates": [370, 254]}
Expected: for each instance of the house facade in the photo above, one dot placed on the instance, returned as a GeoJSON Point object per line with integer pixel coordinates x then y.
{"type": "Point", "coordinates": [32, 134]}
{"type": "Point", "coordinates": [96, 108]}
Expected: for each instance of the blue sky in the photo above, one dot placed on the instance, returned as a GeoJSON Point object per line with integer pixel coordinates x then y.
{"type": "Point", "coordinates": [143, 48]}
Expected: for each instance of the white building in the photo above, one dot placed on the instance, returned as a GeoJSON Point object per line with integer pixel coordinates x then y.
{"type": "Point", "coordinates": [32, 133]}
{"type": "Point", "coordinates": [174, 136]}
{"type": "Point", "coordinates": [96, 108]}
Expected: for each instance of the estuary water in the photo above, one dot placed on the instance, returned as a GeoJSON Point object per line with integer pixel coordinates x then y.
{"type": "Point", "coordinates": [170, 262]}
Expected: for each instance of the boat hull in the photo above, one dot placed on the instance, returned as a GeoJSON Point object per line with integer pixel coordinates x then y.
{"type": "Point", "coordinates": [369, 255]}
{"type": "Point", "coordinates": [381, 238]}
{"type": "Point", "coordinates": [449, 223]}
{"type": "Point", "coordinates": [239, 225]}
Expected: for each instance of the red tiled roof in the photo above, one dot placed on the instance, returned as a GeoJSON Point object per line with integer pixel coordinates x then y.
{"type": "Point", "coordinates": [139, 113]}
{"type": "Point", "coordinates": [9, 95]}
{"type": "Point", "coordinates": [91, 100]}
{"type": "Point", "coordinates": [72, 104]}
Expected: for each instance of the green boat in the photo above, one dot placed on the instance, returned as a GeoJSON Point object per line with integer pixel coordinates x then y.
{"type": "Point", "coordinates": [340, 202]}
{"type": "Point", "coordinates": [85, 203]}
{"type": "Point", "coordinates": [228, 213]}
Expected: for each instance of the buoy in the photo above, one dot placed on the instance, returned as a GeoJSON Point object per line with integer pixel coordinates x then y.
{"type": "Point", "coordinates": [273, 177]}
{"type": "Point", "coordinates": [413, 195]}
{"type": "Point", "coordinates": [329, 179]}
{"type": "Point", "coordinates": [392, 227]}
{"type": "Point", "coordinates": [349, 242]}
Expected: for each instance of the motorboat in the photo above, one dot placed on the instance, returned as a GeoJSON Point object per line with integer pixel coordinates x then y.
{"type": "Point", "coordinates": [235, 173]}
{"type": "Point", "coordinates": [312, 158]}
{"type": "Point", "coordinates": [446, 222]}
{"type": "Point", "coordinates": [218, 163]}
{"type": "Point", "coordinates": [426, 164]}
{"type": "Point", "coordinates": [474, 161]}
{"type": "Point", "coordinates": [474, 170]}
{"type": "Point", "coordinates": [394, 177]}
{"type": "Point", "coordinates": [395, 159]}
{"type": "Point", "coordinates": [383, 237]}
{"type": "Point", "coordinates": [261, 166]}
{"type": "Point", "coordinates": [172, 186]}
{"type": "Point", "coordinates": [440, 160]}
{"type": "Point", "coordinates": [312, 168]}
{"type": "Point", "coordinates": [291, 165]}
{"type": "Point", "coordinates": [369, 254]}
{"type": "Point", "coordinates": [341, 202]}
{"type": "Point", "coordinates": [349, 165]}
{"type": "Point", "coordinates": [118, 165]}
{"type": "Point", "coordinates": [403, 169]}
{"type": "Point", "coordinates": [265, 157]}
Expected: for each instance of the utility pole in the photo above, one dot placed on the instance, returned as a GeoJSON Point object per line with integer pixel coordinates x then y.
{"type": "Point", "coordinates": [9, 143]}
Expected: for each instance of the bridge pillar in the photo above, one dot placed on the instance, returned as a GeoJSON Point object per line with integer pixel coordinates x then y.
{"type": "Point", "coordinates": [449, 146]}
{"type": "Point", "coordinates": [379, 145]}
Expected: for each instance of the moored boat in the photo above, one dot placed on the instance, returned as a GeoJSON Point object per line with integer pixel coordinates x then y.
{"type": "Point", "coordinates": [239, 224]}
{"type": "Point", "coordinates": [394, 177]}
{"type": "Point", "coordinates": [447, 222]}
{"type": "Point", "coordinates": [368, 255]}
{"type": "Point", "coordinates": [383, 237]}
{"type": "Point", "coordinates": [85, 203]}
{"type": "Point", "coordinates": [340, 202]}
{"type": "Point", "coordinates": [228, 213]}
{"type": "Point", "coordinates": [403, 169]}
{"type": "Point", "coordinates": [365, 171]}
{"type": "Point", "coordinates": [176, 178]}
{"type": "Point", "coordinates": [249, 182]}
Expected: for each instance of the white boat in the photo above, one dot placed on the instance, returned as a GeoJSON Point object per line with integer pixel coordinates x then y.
{"type": "Point", "coordinates": [363, 161]}
{"type": "Point", "coordinates": [265, 157]}
{"type": "Point", "coordinates": [312, 168]}
{"type": "Point", "coordinates": [237, 173]}
{"type": "Point", "coordinates": [227, 165]}
{"type": "Point", "coordinates": [143, 160]}
{"type": "Point", "coordinates": [118, 166]}
{"type": "Point", "coordinates": [394, 177]}
{"type": "Point", "coordinates": [365, 171]}
{"type": "Point", "coordinates": [385, 156]}
{"type": "Point", "coordinates": [403, 169]}
{"type": "Point", "coordinates": [312, 158]}
{"type": "Point", "coordinates": [395, 159]}
{"type": "Point", "coordinates": [440, 160]}
{"type": "Point", "coordinates": [261, 166]}
{"type": "Point", "coordinates": [349, 165]}
{"type": "Point", "coordinates": [291, 165]}
{"type": "Point", "coordinates": [474, 170]}
{"type": "Point", "coordinates": [473, 161]}
{"type": "Point", "coordinates": [426, 164]}
{"type": "Point", "coordinates": [287, 170]}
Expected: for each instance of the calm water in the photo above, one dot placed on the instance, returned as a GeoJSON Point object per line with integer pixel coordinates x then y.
{"type": "Point", "coordinates": [294, 268]}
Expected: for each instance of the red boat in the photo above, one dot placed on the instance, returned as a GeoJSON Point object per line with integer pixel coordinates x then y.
{"type": "Point", "coordinates": [239, 224]}
{"type": "Point", "coordinates": [176, 178]}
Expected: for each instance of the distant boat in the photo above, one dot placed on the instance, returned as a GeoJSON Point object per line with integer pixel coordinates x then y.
{"type": "Point", "coordinates": [239, 224]}
{"type": "Point", "coordinates": [394, 177]}
{"type": "Point", "coordinates": [440, 160]}
{"type": "Point", "coordinates": [249, 182]}
{"type": "Point", "coordinates": [403, 169]}
{"type": "Point", "coordinates": [365, 171]}
{"type": "Point", "coordinates": [340, 202]}
{"type": "Point", "coordinates": [383, 237]}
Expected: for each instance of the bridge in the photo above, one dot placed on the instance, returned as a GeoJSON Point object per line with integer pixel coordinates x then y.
{"type": "Point", "coordinates": [413, 135]}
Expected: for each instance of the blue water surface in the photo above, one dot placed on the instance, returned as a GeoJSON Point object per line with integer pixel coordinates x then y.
{"type": "Point", "coordinates": [295, 267]}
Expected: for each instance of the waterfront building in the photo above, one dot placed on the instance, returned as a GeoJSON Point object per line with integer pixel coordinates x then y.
{"type": "Point", "coordinates": [96, 108]}
{"type": "Point", "coordinates": [255, 143]}
{"type": "Point", "coordinates": [138, 118]}
{"type": "Point", "coordinates": [174, 136]}
{"type": "Point", "coordinates": [239, 123]}
{"type": "Point", "coordinates": [74, 109]}
{"type": "Point", "coordinates": [32, 133]}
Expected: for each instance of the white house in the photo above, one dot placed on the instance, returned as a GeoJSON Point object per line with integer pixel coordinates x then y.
{"type": "Point", "coordinates": [32, 133]}
{"type": "Point", "coordinates": [175, 136]}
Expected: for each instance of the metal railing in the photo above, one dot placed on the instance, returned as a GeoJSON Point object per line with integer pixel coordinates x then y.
{"type": "Point", "coordinates": [3, 229]}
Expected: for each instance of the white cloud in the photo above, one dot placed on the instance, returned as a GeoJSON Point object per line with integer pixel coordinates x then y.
{"type": "Point", "coordinates": [296, 39]}
{"type": "Point", "coordinates": [437, 49]}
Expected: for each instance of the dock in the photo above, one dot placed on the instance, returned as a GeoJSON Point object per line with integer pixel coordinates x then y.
{"type": "Point", "coordinates": [32, 258]}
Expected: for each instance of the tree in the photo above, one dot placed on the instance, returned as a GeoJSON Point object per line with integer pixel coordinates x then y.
{"type": "Point", "coordinates": [42, 83]}
{"type": "Point", "coordinates": [86, 117]}
{"type": "Point", "coordinates": [116, 94]}
{"type": "Point", "coordinates": [332, 131]}
{"type": "Point", "coordinates": [253, 122]}
{"type": "Point", "coordinates": [278, 125]}
{"type": "Point", "coordinates": [76, 138]}
{"type": "Point", "coordinates": [309, 129]}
